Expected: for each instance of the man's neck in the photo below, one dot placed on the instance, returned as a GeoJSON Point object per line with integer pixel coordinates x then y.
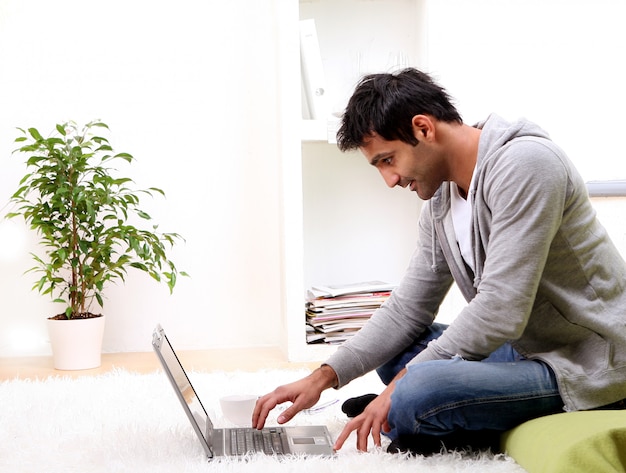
{"type": "Point", "coordinates": [464, 149]}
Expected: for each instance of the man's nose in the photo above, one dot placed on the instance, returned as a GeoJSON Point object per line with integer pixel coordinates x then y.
{"type": "Point", "coordinates": [391, 178]}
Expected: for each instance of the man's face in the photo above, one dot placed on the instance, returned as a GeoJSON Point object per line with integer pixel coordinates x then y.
{"type": "Point", "coordinates": [418, 168]}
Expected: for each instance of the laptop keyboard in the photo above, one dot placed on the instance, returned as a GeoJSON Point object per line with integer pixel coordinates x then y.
{"type": "Point", "coordinates": [268, 441]}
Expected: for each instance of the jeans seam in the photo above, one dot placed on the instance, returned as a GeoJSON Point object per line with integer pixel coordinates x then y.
{"type": "Point", "coordinates": [484, 400]}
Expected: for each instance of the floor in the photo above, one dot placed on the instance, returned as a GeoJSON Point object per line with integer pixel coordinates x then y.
{"type": "Point", "coordinates": [203, 360]}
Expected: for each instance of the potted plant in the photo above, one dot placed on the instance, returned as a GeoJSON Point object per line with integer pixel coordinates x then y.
{"type": "Point", "coordinates": [85, 217]}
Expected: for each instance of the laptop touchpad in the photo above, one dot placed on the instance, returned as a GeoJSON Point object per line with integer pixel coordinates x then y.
{"type": "Point", "coordinates": [309, 441]}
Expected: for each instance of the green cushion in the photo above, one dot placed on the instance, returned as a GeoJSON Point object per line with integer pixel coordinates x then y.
{"type": "Point", "coordinates": [572, 442]}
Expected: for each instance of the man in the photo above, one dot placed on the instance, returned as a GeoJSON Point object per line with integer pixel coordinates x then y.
{"type": "Point", "coordinates": [506, 217]}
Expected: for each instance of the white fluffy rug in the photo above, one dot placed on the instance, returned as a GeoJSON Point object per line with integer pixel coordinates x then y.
{"type": "Point", "coordinates": [126, 422]}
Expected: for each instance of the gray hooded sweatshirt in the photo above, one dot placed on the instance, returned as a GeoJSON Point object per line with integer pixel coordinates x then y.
{"type": "Point", "coordinates": [547, 277]}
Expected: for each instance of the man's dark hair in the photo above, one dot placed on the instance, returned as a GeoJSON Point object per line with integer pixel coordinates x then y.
{"type": "Point", "coordinates": [387, 103]}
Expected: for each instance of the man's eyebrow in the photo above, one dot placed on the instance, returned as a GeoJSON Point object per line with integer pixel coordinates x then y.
{"type": "Point", "coordinates": [375, 160]}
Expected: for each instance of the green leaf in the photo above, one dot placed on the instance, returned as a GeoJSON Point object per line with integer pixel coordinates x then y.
{"type": "Point", "coordinates": [156, 189]}
{"type": "Point", "coordinates": [171, 280]}
{"type": "Point", "coordinates": [124, 156]}
{"type": "Point", "coordinates": [140, 266]}
{"type": "Point", "coordinates": [98, 123]}
{"type": "Point", "coordinates": [35, 134]}
{"type": "Point", "coordinates": [41, 283]}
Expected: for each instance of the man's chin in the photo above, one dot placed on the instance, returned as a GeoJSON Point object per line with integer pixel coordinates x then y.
{"type": "Point", "coordinates": [424, 196]}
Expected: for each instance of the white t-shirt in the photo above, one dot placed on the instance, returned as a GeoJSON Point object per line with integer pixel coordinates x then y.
{"type": "Point", "coordinates": [462, 220]}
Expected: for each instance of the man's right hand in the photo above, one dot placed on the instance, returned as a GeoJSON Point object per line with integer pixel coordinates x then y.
{"type": "Point", "coordinates": [303, 394]}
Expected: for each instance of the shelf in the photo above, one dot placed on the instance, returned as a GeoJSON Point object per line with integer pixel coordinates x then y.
{"type": "Point", "coordinates": [313, 130]}
{"type": "Point", "coordinates": [319, 130]}
{"type": "Point", "coordinates": [607, 188]}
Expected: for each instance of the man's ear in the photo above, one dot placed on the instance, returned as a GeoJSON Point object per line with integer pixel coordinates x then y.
{"type": "Point", "coordinates": [423, 128]}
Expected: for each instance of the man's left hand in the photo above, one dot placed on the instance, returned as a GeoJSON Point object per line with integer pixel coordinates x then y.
{"type": "Point", "coordinates": [373, 420]}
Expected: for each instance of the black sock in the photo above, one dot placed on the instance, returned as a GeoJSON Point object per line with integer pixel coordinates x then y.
{"type": "Point", "coordinates": [356, 405]}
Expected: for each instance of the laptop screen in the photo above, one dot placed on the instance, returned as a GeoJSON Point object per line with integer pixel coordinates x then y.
{"type": "Point", "coordinates": [180, 381]}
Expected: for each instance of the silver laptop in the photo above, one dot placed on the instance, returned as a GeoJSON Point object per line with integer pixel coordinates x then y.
{"type": "Point", "coordinates": [305, 440]}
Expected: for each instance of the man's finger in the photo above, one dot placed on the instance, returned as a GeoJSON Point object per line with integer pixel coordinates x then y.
{"type": "Point", "coordinates": [376, 434]}
{"type": "Point", "coordinates": [261, 411]}
{"type": "Point", "coordinates": [362, 436]}
{"type": "Point", "coordinates": [386, 427]}
{"type": "Point", "coordinates": [288, 414]}
{"type": "Point", "coordinates": [343, 436]}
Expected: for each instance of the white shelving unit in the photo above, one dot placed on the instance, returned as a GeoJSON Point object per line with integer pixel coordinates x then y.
{"type": "Point", "coordinates": [313, 130]}
{"type": "Point", "coordinates": [341, 223]}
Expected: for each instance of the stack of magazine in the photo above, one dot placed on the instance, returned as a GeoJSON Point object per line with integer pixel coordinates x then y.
{"type": "Point", "coordinates": [336, 313]}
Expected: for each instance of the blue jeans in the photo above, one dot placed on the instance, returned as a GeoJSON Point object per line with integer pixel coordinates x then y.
{"type": "Point", "coordinates": [442, 396]}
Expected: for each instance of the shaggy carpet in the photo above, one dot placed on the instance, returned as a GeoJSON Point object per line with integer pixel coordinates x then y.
{"type": "Point", "coordinates": [128, 422]}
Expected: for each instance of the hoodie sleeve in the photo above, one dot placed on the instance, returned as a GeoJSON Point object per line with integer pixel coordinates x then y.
{"type": "Point", "coordinates": [403, 317]}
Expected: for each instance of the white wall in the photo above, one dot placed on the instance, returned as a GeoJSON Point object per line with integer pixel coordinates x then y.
{"type": "Point", "coordinates": [556, 62]}
{"type": "Point", "coordinates": [190, 88]}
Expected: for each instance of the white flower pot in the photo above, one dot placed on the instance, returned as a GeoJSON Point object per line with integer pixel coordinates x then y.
{"type": "Point", "coordinates": [77, 343]}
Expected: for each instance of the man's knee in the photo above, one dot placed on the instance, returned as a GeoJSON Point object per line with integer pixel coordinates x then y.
{"type": "Point", "coordinates": [420, 383]}
{"type": "Point", "coordinates": [416, 397]}
{"type": "Point", "coordinates": [388, 371]}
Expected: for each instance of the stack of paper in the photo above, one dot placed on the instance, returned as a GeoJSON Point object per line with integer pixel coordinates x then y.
{"type": "Point", "coordinates": [335, 313]}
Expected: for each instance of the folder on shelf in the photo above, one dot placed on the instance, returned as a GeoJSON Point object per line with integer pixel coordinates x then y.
{"type": "Point", "coordinates": [313, 79]}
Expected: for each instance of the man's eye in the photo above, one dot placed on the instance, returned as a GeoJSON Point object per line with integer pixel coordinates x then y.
{"type": "Point", "coordinates": [387, 161]}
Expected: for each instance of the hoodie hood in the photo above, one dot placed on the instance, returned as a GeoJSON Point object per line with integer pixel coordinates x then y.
{"type": "Point", "coordinates": [497, 133]}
